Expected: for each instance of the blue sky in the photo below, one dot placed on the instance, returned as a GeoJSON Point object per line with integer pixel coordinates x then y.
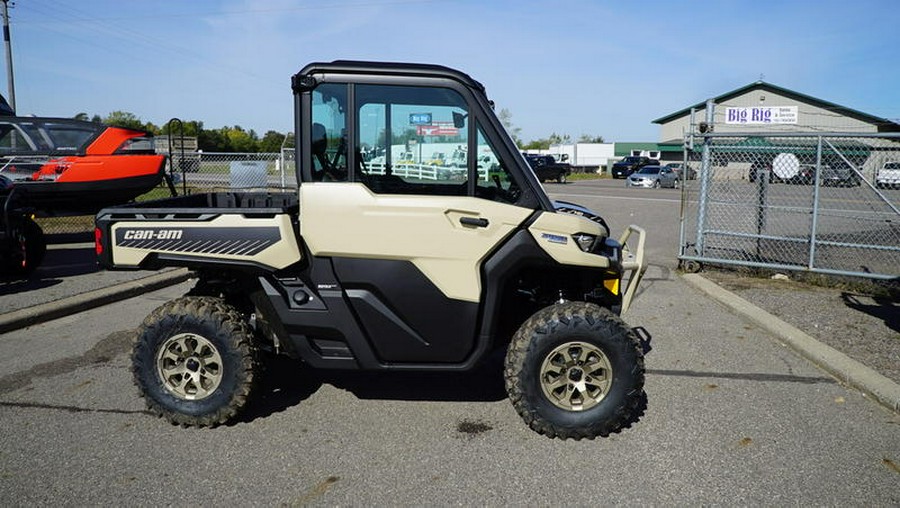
{"type": "Point", "coordinates": [604, 68]}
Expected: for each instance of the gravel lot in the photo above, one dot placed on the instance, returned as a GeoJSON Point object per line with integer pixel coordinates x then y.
{"type": "Point", "coordinates": [864, 327]}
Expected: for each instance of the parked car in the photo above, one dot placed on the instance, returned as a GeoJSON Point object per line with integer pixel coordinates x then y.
{"type": "Point", "coordinates": [545, 167]}
{"type": "Point", "coordinates": [438, 159]}
{"type": "Point", "coordinates": [684, 171]}
{"type": "Point", "coordinates": [653, 177]}
{"type": "Point", "coordinates": [839, 174]}
{"type": "Point", "coordinates": [805, 175]}
{"type": "Point", "coordinates": [625, 167]}
{"type": "Point", "coordinates": [888, 176]}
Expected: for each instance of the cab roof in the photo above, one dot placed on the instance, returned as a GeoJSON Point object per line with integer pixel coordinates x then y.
{"type": "Point", "coordinates": [381, 69]}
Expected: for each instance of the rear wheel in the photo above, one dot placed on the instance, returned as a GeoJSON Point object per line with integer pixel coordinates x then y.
{"type": "Point", "coordinates": [575, 370]}
{"type": "Point", "coordinates": [656, 184]}
{"type": "Point", "coordinates": [195, 362]}
{"type": "Point", "coordinates": [561, 178]}
{"type": "Point", "coordinates": [26, 249]}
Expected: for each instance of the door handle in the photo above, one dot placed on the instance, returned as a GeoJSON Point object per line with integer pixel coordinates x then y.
{"type": "Point", "coordinates": [472, 221]}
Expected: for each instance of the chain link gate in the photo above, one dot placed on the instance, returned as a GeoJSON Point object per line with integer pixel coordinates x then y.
{"type": "Point", "coordinates": [818, 202]}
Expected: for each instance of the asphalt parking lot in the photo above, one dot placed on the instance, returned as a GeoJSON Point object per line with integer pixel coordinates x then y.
{"type": "Point", "coordinates": [732, 417]}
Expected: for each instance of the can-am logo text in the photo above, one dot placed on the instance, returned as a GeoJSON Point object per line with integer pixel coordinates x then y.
{"type": "Point", "coordinates": [153, 234]}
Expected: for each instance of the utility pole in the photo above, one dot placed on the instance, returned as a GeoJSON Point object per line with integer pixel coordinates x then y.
{"type": "Point", "coordinates": [9, 63]}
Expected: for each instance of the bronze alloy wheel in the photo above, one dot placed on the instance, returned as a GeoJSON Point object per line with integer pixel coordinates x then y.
{"type": "Point", "coordinates": [195, 361]}
{"type": "Point", "coordinates": [575, 370]}
{"type": "Point", "coordinates": [576, 376]}
{"type": "Point", "coordinates": [189, 366]}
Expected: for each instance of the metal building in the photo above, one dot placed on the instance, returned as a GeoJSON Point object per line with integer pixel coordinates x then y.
{"type": "Point", "coordinates": [766, 108]}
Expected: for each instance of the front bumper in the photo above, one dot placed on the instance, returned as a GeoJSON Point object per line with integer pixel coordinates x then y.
{"type": "Point", "coordinates": [633, 262]}
{"type": "Point", "coordinates": [621, 172]}
{"type": "Point", "coordinates": [642, 182]}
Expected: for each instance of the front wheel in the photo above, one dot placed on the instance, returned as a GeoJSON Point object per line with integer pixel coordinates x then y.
{"type": "Point", "coordinates": [656, 184]}
{"type": "Point", "coordinates": [575, 370]}
{"type": "Point", "coordinates": [195, 362]}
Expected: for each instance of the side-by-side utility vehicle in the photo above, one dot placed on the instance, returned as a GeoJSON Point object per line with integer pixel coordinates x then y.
{"type": "Point", "coordinates": [389, 268]}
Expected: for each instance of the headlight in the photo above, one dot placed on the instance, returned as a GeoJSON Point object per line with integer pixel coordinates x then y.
{"type": "Point", "coordinates": [585, 241]}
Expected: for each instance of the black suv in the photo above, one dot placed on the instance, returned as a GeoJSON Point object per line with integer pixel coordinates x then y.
{"type": "Point", "coordinates": [625, 167]}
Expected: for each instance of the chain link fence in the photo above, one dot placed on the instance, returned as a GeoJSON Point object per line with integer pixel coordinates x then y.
{"type": "Point", "coordinates": [826, 203]}
{"type": "Point", "coordinates": [203, 172]}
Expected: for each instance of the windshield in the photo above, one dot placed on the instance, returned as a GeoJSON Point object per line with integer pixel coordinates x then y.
{"type": "Point", "coordinates": [21, 136]}
{"type": "Point", "coordinates": [649, 170]}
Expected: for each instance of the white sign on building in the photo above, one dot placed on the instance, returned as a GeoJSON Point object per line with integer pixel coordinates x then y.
{"type": "Point", "coordinates": [761, 115]}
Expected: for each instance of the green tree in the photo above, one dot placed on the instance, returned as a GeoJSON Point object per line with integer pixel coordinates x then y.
{"type": "Point", "coordinates": [240, 140]}
{"type": "Point", "coordinates": [556, 139]}
{"type": "Point", "coordinates": [506, 119]}
{"type": "Point", "coordinates": [152, 128]}
{"type": "Point", "coordinates": [398, 139]}
{"type": "Point", "coordinates": [124, 119]}
{"type": "Point", "coordinates": [537, 144]}
{"type": "Point", "coordinates": [587, 138]}
{"type": "Point", "coordinates": [272, 141]}
{"type": "Point", "coordinates": [82, 116]}
{"type": "Point", "coordinates": [190, 128]}
{"type": "Point", "coordinates": [212, 141]}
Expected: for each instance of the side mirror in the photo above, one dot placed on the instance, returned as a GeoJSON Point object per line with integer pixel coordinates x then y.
{"type": "Point", "coordinates": [459, 120]}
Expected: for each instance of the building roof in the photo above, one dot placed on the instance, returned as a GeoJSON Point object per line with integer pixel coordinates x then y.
{"type": "Point", "coordinates": [883, 123]}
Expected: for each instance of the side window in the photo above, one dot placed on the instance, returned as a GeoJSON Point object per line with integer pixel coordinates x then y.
{"type": "Point", "coordinates": [12, 140]}
{"type": "Point", "coordinates": [494, 180]}
{"type": "Point", "coordinates": [329, 132]}
{"type": "Point", "coordinates": [412, 140]}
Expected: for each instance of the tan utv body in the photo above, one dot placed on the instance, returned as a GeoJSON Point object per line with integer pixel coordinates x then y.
{"type": "Point", "coordinates": [380, 265]}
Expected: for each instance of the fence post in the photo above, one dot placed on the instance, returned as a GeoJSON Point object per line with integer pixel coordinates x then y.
{"type": "Point", "coordinates": [682, 247]}
{"type": "Point", "coordinates": [762, 198]}
{"type": "Point", "coordinates": [704, 175]}
{"type": "Point", "coordinates": [687, 147]}
{"type": "Point", "coordinates": [817, 179]}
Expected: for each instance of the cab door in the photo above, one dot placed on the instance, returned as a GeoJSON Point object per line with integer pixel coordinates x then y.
{"type": "Point", "coordinates": [406, 233]}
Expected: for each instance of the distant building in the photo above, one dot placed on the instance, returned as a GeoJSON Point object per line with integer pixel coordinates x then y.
{"type": "Point", "coordinates": [652, 150]}
{"type": "Point", "coordinates": [763, 107]}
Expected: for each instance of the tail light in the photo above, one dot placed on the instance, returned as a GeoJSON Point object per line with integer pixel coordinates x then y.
{"type": "Point", "coordinates": [98, 241]}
